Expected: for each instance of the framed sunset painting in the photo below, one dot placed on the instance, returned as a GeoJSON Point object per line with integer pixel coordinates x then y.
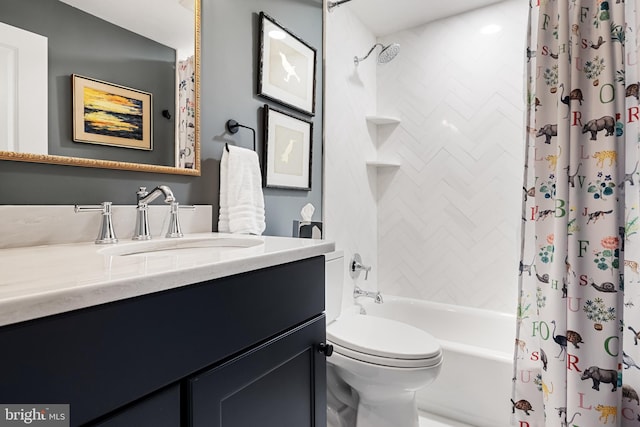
{"type": "Point", "coordinates": [109, 114]}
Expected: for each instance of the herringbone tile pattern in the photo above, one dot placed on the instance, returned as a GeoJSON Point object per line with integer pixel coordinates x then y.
{"type": "Point", "coordinates": [448, 218]}
{"type": "Point", "coordinates": [444, 226]}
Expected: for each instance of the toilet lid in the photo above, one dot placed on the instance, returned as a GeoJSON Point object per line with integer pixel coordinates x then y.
{"type": "Point", "coordinates": [383, 338]}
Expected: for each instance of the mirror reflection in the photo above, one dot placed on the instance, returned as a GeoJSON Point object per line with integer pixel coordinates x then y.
{"type": "Point", "coordinates": [140, 57]}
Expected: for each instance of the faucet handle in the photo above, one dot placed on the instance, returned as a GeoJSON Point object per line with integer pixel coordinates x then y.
{"type": "Point", "coordinates": [142, 192]}
{"type": "Point", "coordinates": [107, 234]}
{"type": "Point", "coordinates": [174, 230]}
{"type": "Point", "coordinates": [174, 223]}
{"type": "Point", "coordinates": [357, 266]}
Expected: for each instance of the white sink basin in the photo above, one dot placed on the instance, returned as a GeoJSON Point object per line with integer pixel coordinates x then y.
{"type": "Point", "coordinates": [183, 246]}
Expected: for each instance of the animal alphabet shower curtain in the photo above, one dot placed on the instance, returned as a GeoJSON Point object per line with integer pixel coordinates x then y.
{"type": "Point", "coordinates": [186, 113]}
{"type": "Point", "coordinates": [577, 352]}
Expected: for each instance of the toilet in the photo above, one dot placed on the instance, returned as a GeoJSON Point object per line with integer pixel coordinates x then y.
{"type": "Point", "coordinates": [377, 364]}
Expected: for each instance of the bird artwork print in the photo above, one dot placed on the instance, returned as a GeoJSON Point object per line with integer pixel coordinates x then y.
{"type": "Point", "coordinates": [288, 68]}
{"type": "Point", "coordinates": [284, 157]}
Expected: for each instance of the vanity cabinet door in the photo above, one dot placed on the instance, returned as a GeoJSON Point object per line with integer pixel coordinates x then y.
{"type": "Point", "coordinates": [281, 383]}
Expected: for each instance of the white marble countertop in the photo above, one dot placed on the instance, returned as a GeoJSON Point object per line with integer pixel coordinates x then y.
{"type": "Point", "coordinates": [38, 281]}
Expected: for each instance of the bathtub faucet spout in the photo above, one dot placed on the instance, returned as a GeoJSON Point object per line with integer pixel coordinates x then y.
{"type": "Point", "coordinates": [377, 296]}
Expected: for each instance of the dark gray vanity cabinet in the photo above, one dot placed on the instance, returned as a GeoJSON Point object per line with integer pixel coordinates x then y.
{"type": "Point", "coordinates": [239, 346]}
{"type": "Point", "coordinates": [160, 409]}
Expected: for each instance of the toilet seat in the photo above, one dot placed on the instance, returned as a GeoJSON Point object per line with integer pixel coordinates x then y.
{"type": "Point", "coordinates": [384, 342]}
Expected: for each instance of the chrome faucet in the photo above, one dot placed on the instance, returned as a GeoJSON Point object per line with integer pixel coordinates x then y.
{"type": "Point", "coordinates": [106, 235]}
{"type": "Point", "coordinates": [377, 296]}
{"type": "Point", "coordinates": [141, 231]}
{"type": "Point", "coordinates": [355, 267]}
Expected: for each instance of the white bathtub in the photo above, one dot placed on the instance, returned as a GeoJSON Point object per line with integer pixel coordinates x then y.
{"type": "Point", "coordinates": [474, 386]}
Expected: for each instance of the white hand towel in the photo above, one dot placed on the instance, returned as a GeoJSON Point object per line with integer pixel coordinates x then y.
{"type": "Point", "coordinates": [241, 198]}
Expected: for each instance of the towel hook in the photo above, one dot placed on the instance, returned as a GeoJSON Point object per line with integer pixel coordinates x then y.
{"type": "Point", "coordinates": [233, 126]}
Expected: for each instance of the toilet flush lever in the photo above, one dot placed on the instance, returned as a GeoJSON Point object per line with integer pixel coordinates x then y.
{"type": "Point", "coordinates": [357, 266]}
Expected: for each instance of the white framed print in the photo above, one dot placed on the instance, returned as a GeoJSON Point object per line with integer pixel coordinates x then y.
{"type": "Point", "coordinates": [287, 147]}
{"type": "Point", "coordinates": [287, 67]}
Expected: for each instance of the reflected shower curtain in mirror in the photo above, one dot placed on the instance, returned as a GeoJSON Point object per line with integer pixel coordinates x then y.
{"type": "Point", "coordinates": [577, 358]}
{"type": "Point", "coordinates": [186, 113]}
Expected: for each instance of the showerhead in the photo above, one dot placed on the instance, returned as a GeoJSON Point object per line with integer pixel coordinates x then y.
{"type": "Point", "coordinates": [386, 54]}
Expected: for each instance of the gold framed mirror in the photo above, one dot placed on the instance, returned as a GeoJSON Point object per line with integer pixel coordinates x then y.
{"type": "Point", "coordinates": [58, 124]}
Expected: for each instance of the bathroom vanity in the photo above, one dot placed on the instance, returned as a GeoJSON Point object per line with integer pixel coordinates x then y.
{"type": "Point", "coordinates": [199, 336]}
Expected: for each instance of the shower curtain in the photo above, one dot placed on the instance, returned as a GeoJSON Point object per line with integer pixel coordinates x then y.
{"type": "Point", "coordinates": [576, 356]}
{"type": "Point", "coordinates": [186, 113]}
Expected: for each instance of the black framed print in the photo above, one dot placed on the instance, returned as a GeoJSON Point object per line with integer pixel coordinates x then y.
{"type": "Point", "coordinates": [287, 67]}
{"type": "Point", "coordinates": [287, 147]}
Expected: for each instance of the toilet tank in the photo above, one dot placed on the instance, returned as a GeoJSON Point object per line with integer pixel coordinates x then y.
{"type": "Point", "coordinates": [334, 277]}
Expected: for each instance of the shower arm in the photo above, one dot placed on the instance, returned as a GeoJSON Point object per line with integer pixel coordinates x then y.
{"type": "Point", "coordinates": [332, 4]}
{"type": "Point", "coordinates": [358, 60]}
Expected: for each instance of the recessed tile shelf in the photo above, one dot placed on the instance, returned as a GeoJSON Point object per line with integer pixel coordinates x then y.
{"type": "Point", "coordinates": [383, 163]}
{"type": "Point", "coordinates": [378, 121]}
{"type": "Point", "coordinates": [383, 120]}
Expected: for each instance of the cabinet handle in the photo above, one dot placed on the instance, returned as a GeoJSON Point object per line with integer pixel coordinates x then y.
{"type": "Point", "coordinates": [327, 349]}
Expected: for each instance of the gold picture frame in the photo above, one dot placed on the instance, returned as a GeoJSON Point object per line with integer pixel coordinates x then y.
{"type": "Point", "coordinates": [109, 114]}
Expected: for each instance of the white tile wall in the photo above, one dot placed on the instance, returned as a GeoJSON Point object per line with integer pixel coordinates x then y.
{"type": "Point", "coordinates": [350, 209]}
{"type": "Point", "coordinates": [444, 226]}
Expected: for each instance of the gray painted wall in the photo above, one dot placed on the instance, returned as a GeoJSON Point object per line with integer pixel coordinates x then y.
{"type": "Point", "coordinates": [229, 85]}
{"type": "Point", "coordinates": [228, 90]}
